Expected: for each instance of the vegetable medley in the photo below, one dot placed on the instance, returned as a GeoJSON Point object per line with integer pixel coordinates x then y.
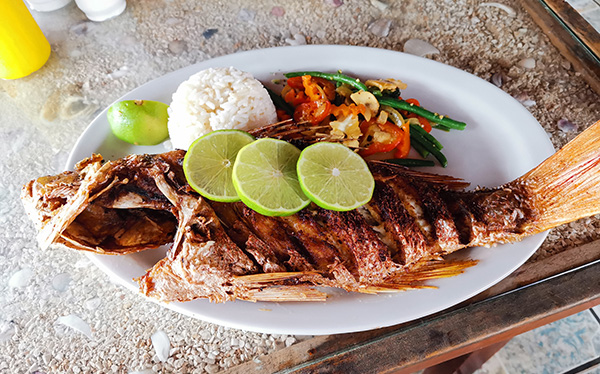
{"type": "Point", "coordinates": [370, 117]}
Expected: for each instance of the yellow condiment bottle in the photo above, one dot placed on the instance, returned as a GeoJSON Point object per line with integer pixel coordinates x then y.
{"type": "Point", "coordinates": [23, 47]}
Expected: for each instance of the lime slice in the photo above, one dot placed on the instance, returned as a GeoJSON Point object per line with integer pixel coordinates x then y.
{"type": "Point", "coordinates": [140, 122]}
{"type": "Point", "coordinates": [334, 177]}
{"type": "Point", "coordinates": [264, 176]}
{"type": "Point", "coordinates": [208, 163]}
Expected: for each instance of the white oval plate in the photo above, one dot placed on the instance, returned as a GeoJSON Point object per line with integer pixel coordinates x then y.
{"type": "Point", "coordinates": [502, 141]}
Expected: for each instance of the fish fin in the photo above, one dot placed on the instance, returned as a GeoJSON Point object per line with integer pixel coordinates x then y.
{"type": "Point", "coordinates": [566, 186]}
{"type": "Point", "coordinates": [286, 293]}
{"type": "Point", "coordinates": [414, 278]}
{"type": "Point", "coordinates": [386, 170]}
{"type": "Point", "coordinates": [273, 277]}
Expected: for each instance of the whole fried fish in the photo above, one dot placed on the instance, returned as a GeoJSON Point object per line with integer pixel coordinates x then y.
{"type": "Point", "coordinates": [226, 251]}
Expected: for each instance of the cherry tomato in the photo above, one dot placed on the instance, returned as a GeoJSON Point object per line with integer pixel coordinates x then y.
{"type": "Point", "coordinates": [295, 83]}
{"type": "Point", "coordinates": [370, 128]}
{"type": "Point", "coordinates": [313, 111]}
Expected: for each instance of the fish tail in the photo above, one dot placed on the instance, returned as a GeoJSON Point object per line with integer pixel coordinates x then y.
{"type": "Point", "coordinates": [566, 186]}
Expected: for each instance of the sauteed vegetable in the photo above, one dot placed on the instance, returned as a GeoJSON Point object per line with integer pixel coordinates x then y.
{"type": "Point", "coordinates": [370, 117]}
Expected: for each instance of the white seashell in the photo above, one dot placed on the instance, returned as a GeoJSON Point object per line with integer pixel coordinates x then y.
{"type": "Point", "coordinates": [145, 371]}
{"type": "Point", "coordinates": [419, 47]}
{"type": "Point", "coordinates": [334, 3]}
{"type": "Point", "coordinates": [121, 72]}
{"type": "Point", "coordinates": [61, 282]}
{"type": "Point", "coordinates": [528, 103]}
{"type": "Point", "coordinates": [21, 278]}
{"type": "Point", "coordinates": [380, 27]}
{"type": "Point", "coordinates": [161, 344]}
{"type": "Point", "coordinates": [565, 125]}
{"type": "Point", "coordinates": [92, 304]}
{"type": "Point", "coordinates": [510, 11]}
{"type": "Point", "coordinates": [246, 15]}
{"type": "Point", "coordinates": [498, 79]}
{"type": "Point", "coordinates": [7, 330]}
{"type": "Point", "coordinates": [524, 99]}
{"type": "Point", "coordinates": [177, 46]}
{"type": "Point", "coordinates": [379, 5]}
{"type": "Point", "coordinates": [76, 323]}
{"type": "Point", "coordinates": [527, 63]}
{"type": "Point", "coordinates": [297, 39]}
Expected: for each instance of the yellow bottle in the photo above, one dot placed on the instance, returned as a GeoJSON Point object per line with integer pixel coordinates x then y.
{"type": "Point", "coordinates": [23, 47]}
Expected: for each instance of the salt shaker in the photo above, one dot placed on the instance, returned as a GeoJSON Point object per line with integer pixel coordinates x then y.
{"type": "Point", "coordinates": [47, 5]}
{"type": "Point", "coordinates": [101, 10]}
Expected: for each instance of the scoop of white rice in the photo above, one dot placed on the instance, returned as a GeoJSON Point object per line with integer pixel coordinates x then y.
{"type": "Point", "coordinates": [215, 99]}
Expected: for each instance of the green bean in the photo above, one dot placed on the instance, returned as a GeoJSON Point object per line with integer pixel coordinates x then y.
{"type": "Point", "coordinates": [441, 127]}
{"type": "Point", "coordinates": [433, 117]}
{"type": "Point", "coordinates": [410, 162]}
{"type": "Point", "coordinates": [418, 146]}
{"type": "Point", "coordinates": [337, 77]}
{"type": "Point", "coordinates": [431, 148]}
{"type": "Point", "coordinates": [280, 103]}
{"type": "Point", "coordinates": [426, 135]}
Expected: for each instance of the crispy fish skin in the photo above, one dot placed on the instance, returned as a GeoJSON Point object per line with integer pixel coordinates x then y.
{"type": "Point", "coordinates": [109, 207]}
{"type": "Point", "coordinates": [227, 251]}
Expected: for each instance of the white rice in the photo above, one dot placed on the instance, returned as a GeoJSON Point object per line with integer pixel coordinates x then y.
{"type": "Point", "coordinates": [215, 99]}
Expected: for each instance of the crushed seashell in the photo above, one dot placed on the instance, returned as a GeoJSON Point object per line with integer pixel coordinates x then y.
{"type": "Point", "coordinates": [161, 344]}
{"type": "Point", "coordinates": [277, 11]}
{"type": "Point", "coordinates": [528, 103]}
{"type": "Point", "coordinates": [246, 15]}
{"type": "Point", "coordinates": [420, 48]}
{"type": "Point", "coordinates": [565, 125]}
{"type": "Point", "coordinates": [510, 11]}
{"type": "Point", "coordinates": [498, 79]}
{"type": "Point", "coordinates": [7, 330]}
{"type": "Point", "coordinates": [92, 304]}
{"type": "Point", "coordinates": [76, 323]}
{"type": "Point", "coordinates": [524, 99]}
{"type": "Point", "coordinates": [334, 3]}
{"type": "Point", "coordinates": [296, 39]}
{"type": "Point", "coordinates": [121, 72]}
{"type": "Point", "coordinates": [289, 341]}
{"type": "Point", "coordinates": [144, 371]}
{"type": "Point", "coordinates": [380, 27]}
{"type": "Point", "coordinates": [61, 282]}
{"type": "Point", "coordinates": [520, 32]}
{"type": "Point", "coordinates": [173, 21]}
{"type": "Point", "coordinates": [379, 5]}
{"type": "Point", "coordinates": [21, 278]}
{"type": "Point", "coordinates": [177, 47]}
{"type": "Point", "coordinates": [527, 63]}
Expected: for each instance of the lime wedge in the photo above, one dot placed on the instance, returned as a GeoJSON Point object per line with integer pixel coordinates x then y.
{"type": "Point", "coordinates": [334, 177]}
{"type": "Point", "coordinates": [264, 176]}
{"type": "Point", "coordinates": [208, 163]}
